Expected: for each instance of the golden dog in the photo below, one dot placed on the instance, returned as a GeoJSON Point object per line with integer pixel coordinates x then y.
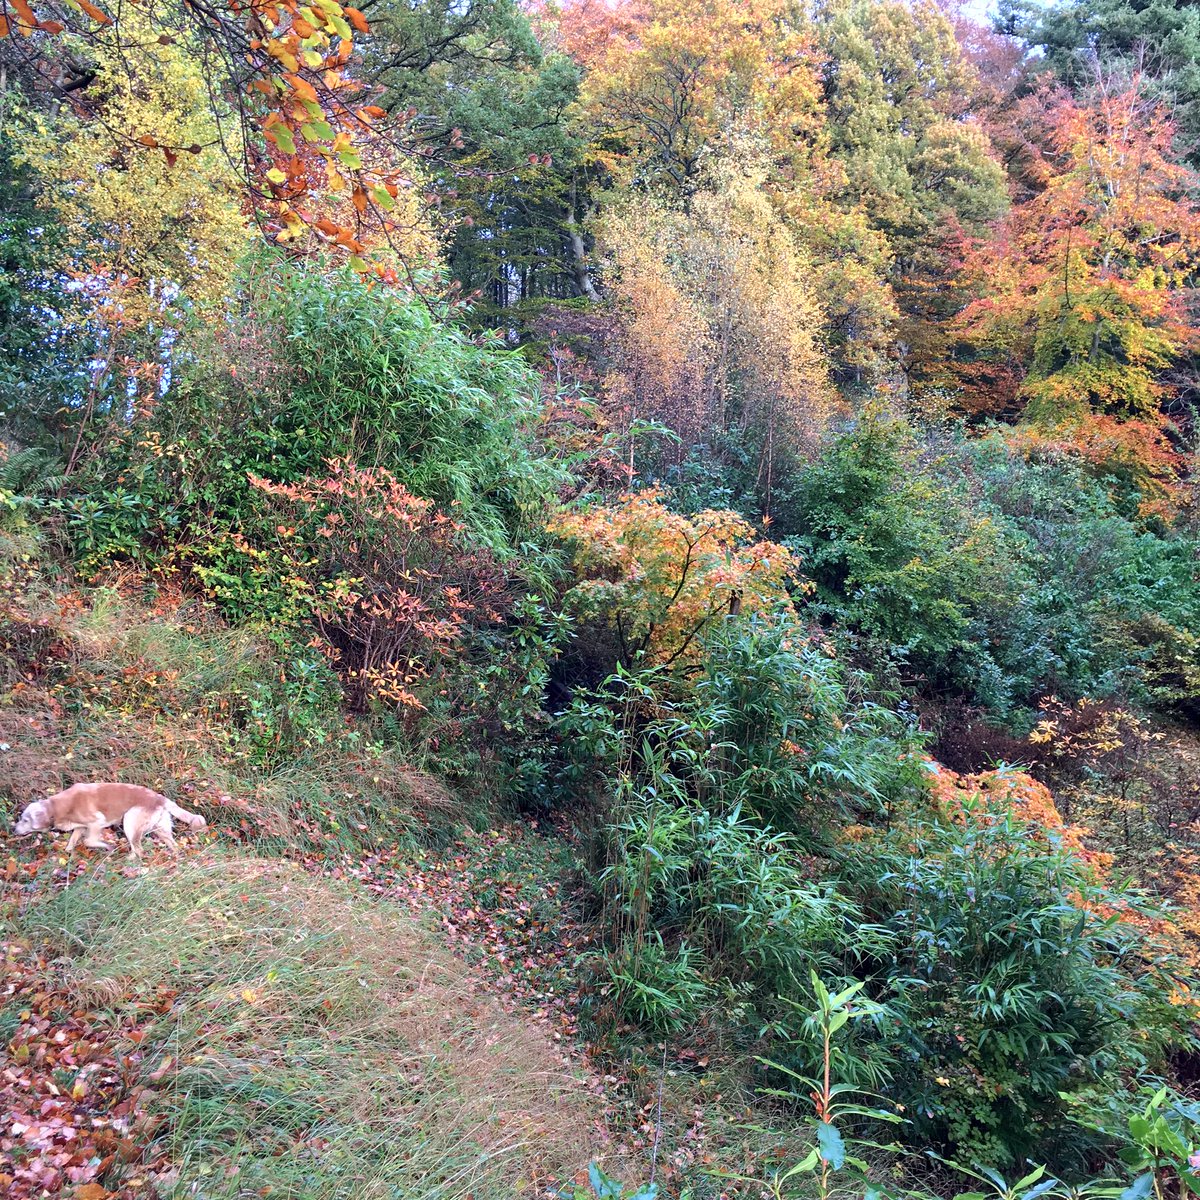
{"type": "Point", "coordinates": [88, 808]}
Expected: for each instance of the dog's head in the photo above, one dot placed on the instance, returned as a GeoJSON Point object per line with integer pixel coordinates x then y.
{"type": "Point", "coordinates": [35, 817]}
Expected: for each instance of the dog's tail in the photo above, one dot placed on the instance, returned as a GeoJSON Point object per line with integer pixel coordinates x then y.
{"type": "Point", "coordinates": [195, 820]}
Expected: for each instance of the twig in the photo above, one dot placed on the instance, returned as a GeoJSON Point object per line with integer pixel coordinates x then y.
{"type": "Point", "coordinates": [658, 1116]}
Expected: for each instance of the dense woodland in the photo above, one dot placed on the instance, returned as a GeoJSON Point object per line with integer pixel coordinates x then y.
{"type": "Point", "coordinates": [744, 449]}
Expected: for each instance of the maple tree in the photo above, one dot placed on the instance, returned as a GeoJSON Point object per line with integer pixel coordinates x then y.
{"type": "Point", "coordinates": [662, 578]}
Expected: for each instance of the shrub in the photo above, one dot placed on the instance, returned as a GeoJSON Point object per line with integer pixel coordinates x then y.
{"type": "Point", "coordinates": [698, 788]}
{"type": "Point", "coordinates": [319, 365]}
{"type": "Point", "coordinates": [662, 579]}
{"type": "Point", "coordinates": [897, 551]}
{"type": "Point", "coordinates": [1019, 976]}
{"type": "Point", "coordinates": [998, 579]}
{"type": "Point", "coordinates": [391, 583]}
{"type": "Point", "coordinates": [797, 748]}
{"type": "Point", "coordinates": [662, 990]}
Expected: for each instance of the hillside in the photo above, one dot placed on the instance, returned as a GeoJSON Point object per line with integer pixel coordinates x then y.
{"type": "Point", "coordinates": [660, 538]}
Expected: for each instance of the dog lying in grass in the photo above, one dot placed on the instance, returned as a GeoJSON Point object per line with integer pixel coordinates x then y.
{"type": "Point", "coordinates": [89, 808]}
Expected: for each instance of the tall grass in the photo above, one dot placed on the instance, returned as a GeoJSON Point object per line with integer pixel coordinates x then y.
{"type": "Point", "coordinates": [319, 1046]}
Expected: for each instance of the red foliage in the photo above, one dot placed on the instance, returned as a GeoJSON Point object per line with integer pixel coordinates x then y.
{"type": "Point", "coordinates": [394, 584]}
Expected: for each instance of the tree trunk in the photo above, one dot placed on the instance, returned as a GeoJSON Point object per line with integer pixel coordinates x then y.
{"type": "Point", "coordinates": [579, 267]}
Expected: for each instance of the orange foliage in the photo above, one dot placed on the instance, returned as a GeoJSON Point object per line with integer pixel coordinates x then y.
{"type": "Point", "coordinates": [1137, 451]}
{"type": "Point", "coordinates": [662, 578]}
{"type": "Point", "coordinates": [1000, 793]}
{"type": "Point", "coordinates": [391, 582]}
{"type": "Point", "coordinates": [1006, 792]}
{"type": "Point", "coordinates": [1082, 286]}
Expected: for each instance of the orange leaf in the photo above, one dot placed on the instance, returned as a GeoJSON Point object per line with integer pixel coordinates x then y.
{"type": "Point", "coordinates": [148, 139]}
{"type": "Point", "coordinates": [303, 88]}
{"type": "Point", "coordinates": [3, 26]}
{"type": "Point", "coordinates": [51, 27]}
{"type": "Point", "coordinates": [24, 11]}
{"type": "Point", "coordinates": [359, 198]}
{"type": "Point", "coordinates": [302, 27]}
{"type": "Point", "coordinates": [91, 1191]}
{"type": "Point", "coordinates": [357, 20]}
{"type": "Point", "coordinates": [97, 14]}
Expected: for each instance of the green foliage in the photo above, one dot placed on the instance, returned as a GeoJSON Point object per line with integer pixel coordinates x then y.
{"type": "Point", "coordinates": [702, 793]}
{"type": "Point", "coordinates": [896, 75]}
{"type": "Point", "coordinates": [995, 576]}
{"type": "Point", "coordinates": [603, 1187]}
{"type": "Point", "coordinates": [488, 728]}
{"type": "Point", "coordinates": [662, 990]}
{"type": "Point", "coordinates": [329, 368]}
{"type": "Point", "coordinates": [839, 1159]}
{"type": "Point", "coordinates": [1017, 979]}
{"type": "Point", "coordinates": [895, 548]}
{"type": "Point", "coordinates": [796, 747]}
{"type": "Point", "coordinates": [40, 360]}
{"type": "Point", "coordinates": [1163, 1147]}
{"type": "Point", "coordinates": [479, 69]}
{"type": "Point", "coordinates": [1159, 40]}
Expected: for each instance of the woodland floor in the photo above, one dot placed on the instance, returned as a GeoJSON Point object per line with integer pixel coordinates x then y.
{"type": "Point", "coordinates": [134, 1007]}
{"type": "Point", "coordinates": [314, 1001]}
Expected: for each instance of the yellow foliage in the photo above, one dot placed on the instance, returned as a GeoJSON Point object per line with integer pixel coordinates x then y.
{"type": "Point", "coordinates": [661, 578]}
{"type": "Point", "coordinates": [156, 234]}
{"type": "Point", "coordinates": [679, 76]}
{"type": "Point", "coordinates": [719, 322]}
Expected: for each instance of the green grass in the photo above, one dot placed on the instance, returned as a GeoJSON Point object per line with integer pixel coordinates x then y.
{"type": "Point", "coordinates": [319, 1045]}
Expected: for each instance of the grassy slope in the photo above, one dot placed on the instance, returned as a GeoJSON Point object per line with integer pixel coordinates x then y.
{"type": "Point", "coordinates": [321, 1043]}
{"type": "Point", "coordinates": [312, 1042]}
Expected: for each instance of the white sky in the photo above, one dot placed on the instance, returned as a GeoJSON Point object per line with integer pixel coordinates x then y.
{"type": "Point", "coordinates": [979, 9]}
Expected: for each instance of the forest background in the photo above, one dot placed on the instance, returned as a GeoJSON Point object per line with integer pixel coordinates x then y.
{"type": "Point", "coordinates": [751, 439]}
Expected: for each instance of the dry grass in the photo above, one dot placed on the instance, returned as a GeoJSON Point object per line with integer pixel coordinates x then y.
{"type": "Point", "coordinates": [104, 684]}
{"type": "Point", "coordinates": [321, 1042]}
